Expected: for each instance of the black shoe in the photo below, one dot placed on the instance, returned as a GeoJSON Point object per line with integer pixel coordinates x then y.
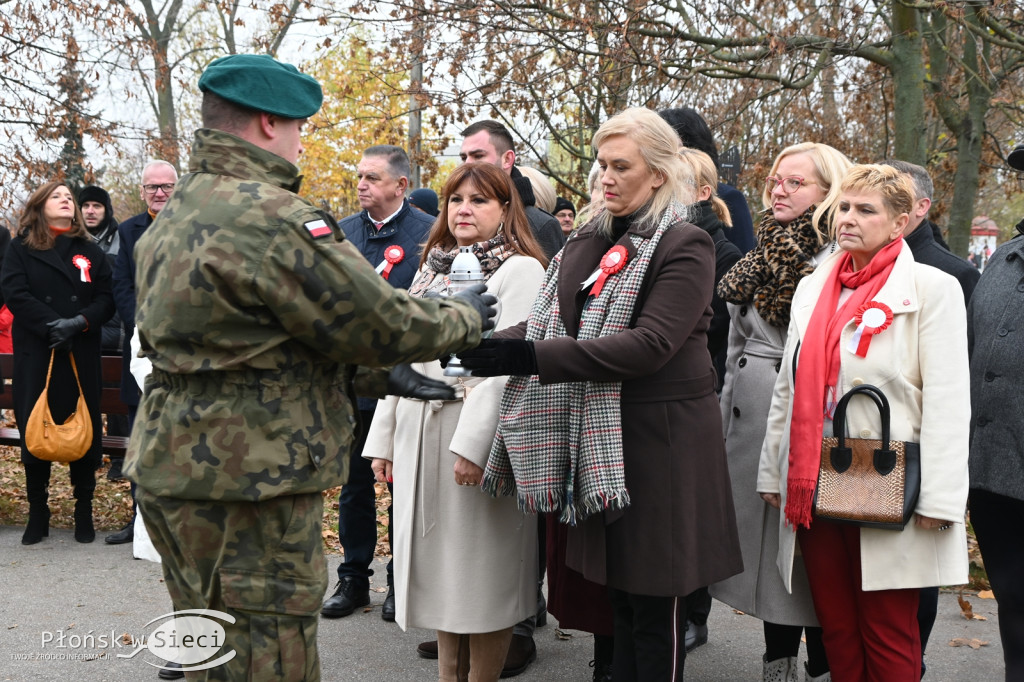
{"type": "Point", "coordinates": [38, 526]}
{"type": "Point", "coordinates": [696, 635]}
{"type": "Point", "coordinates": [387, 611]}
{"type": "Point", "coordinates": [175, 674]}
{"type": "Point", "coordinates": [602, 671]}
{"type": "Point", "coordinates": [114, 472]}
{"type": "Point", "coordinates": [346, 598]}
{"type": "Point", "coordinates": [427, 650]}
{"type": "Point", "coordinates": [126, 534]}
{"type": "Point", "coordinates": [521, 653]}
{"type": "Point", "coordinates": [84, 530]}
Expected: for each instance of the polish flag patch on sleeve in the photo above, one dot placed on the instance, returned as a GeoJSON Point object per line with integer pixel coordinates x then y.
{"type": "Point", "coordinates": [318, 228]}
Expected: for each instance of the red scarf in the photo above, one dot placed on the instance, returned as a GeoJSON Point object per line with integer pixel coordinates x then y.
{"type": "Point", "coordinates": [817, 374]}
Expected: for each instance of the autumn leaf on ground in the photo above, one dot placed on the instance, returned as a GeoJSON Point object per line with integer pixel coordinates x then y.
{"type": "Point", "coordinates": [986, 594]}
{"type": "Point", "coordinates": [562, 634]}
{"type": "Point", "coordinates": [963, 641]}
{"type": "Point", "coordinates": [966, 610]}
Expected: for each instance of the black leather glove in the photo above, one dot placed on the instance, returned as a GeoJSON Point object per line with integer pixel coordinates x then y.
{"type": "Point", "coordinates": [483, 302]}
{"type": "Point", "coordinates": [500, 357]}
{"type": "Point", "coordinates": [62, 332]}
{"type": "Point", "coordinates": [406, 382]}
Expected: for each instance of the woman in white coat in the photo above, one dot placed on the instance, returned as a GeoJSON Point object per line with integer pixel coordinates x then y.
{"type": "Point", "coordinates": [465, 562]}
{"type": "Point", "coordinates": [864, 581]}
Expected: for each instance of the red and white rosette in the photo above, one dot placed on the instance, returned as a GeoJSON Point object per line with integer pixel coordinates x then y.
{"type": "Point", "coordinates": [83, 265]}
{"type": "Point", "coordinates": [393, 255]}
{"type": "Point", "coordinates": [872, 318]}
{"type": "Point", "coordinates": [611, 262]}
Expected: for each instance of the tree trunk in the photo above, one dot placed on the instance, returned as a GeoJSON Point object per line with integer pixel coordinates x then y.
{"type": "Point", "coordinates": [908, 78]}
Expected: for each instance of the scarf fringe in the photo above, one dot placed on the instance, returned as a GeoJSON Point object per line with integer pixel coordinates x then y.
{"type": "Point", "coordinates": [496, 486]}
{"type": "Point", "coordinates": [547, 503]}
{"type": "Point", "coordinates": [800, 502]}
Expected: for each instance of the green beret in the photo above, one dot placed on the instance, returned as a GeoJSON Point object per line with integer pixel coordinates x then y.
{"type": "Point", "coordinates": [260, 82]}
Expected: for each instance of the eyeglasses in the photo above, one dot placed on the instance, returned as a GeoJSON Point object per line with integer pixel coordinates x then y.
{"type": "Point", "coordinates": [789, 184]}
{"type": "Point", "coordinates": [153, 189]}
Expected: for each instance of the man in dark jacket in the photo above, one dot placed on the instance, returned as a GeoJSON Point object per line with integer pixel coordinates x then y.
{"type": "Point", "coordinates": [158, 180]}
{"type": "Point", "coordinates": [389, 233]}
{"type": "Point", "coordinates": [920, 232]}
{"type": "Point", "coordinates": [491, 142]}
{"type": "Point", "coordinates": [920, 237]}
{"type": "Point", "coordinates": [98, 213]}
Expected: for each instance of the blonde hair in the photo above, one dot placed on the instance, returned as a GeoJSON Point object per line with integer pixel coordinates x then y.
{"type": "Point", "coordinates": [830, 165]}
{"type": "Point", "coordinates": [706, 175]}
{"type": "Point", "coordinates": [658, 145]}
{"type": "Point", "coordinates": [543, 192]}
{"type": "Point", "coordinates": [895, 188]}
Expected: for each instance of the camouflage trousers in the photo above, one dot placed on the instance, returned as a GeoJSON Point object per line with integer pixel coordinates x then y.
{"type": "Point", "coordinates": [261, 562]}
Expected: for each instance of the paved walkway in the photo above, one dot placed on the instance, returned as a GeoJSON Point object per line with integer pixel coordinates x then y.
{"type": "Point", "coordinates": [62, 587]}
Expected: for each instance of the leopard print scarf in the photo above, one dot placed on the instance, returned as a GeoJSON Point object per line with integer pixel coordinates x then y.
{"type": "Point", "coordinates": [767, 276]}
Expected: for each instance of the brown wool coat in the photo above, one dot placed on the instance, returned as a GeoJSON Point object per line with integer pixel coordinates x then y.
{"type": "Point", "coordinates": [679, 533]}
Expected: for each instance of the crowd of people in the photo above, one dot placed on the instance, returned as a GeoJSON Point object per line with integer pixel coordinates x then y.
{"type": "Point", "coordinates": [637, 376]}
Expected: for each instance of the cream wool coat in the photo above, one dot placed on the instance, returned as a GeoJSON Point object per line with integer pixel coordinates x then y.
{"type": "Point", "coordinates": [464, 562]}
{"type": "Point", "coordinates": [920, 363]}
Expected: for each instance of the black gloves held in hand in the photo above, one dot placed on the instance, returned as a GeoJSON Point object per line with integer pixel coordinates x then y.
{"type": "Point", "coordinates": [500, 357]}
{"type": "Point", "coordinates": [62, 332]}
{"type": "Point", "coordinates": [483, 302]}
{"type": "Point", "coordinates": [406, 382]}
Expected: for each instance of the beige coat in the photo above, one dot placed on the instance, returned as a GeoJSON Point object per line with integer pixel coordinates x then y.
{"type": "Point", "coordinates": [464, 562]}
{"type": "Point", "coordinates": [920, 363]}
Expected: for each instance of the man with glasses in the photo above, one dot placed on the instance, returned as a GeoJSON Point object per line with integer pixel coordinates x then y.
{"type": "Point", "coordinates": [158, 180]}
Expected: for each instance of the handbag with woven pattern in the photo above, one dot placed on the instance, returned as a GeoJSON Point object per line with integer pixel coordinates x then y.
{"type": "Point", "coordinates": [869, 483]}
{"type": "Point", "coordinates": [65, 442]}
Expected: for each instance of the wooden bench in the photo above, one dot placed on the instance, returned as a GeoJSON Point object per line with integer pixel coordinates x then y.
{"type": "Point", "coordinates": [110, 401]}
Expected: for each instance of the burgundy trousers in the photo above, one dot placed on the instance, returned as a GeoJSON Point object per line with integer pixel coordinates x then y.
{"type": "Point", "coordinates": [868, 636]}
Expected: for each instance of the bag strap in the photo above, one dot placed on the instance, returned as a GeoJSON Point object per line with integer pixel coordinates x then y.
{"type": "Point", "coordinates": [881, 402]}
{"type": "Point", "coordinates": [74, 368]}
{"type": "Point", "coordinates": [49, 371]}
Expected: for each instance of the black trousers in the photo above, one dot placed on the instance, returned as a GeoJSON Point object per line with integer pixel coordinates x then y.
{"type": "Point", "coordinates": [999, 525]}
{"type": "Point", "coordinates": [650, 637]}
{"type": "Point", "coordinates": [357, 514]}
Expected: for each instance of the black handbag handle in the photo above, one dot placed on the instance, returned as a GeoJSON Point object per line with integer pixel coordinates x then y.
{"type": "Point", "coordinates": [885, 458]}
{"type": "Point", "coordinates": [873, 392]}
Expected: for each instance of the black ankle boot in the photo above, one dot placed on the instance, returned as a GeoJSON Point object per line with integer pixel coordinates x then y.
{"type": "Point", "coordinates": [37, 481]}
{"type": "Point", "coordinates": [38, 524]}
{"type": "Point", "coordinates": [84, 530]}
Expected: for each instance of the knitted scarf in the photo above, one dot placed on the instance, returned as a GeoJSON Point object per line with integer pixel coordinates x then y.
{"type": "Point", "coordinates": [817, 373]}
{"type": "Point", "coordinates": [768, 274]}
{"type": "Point", "coordinates": [491, 254]}
{"type": "Point", "coordinates": [559, 446]}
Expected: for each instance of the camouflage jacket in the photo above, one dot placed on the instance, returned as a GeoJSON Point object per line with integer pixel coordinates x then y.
{"type": "Point", "coordinates": [255, 311]}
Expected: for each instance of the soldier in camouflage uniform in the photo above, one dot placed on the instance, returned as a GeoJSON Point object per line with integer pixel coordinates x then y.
{"type": "Point", "coordinates": [255, 312]}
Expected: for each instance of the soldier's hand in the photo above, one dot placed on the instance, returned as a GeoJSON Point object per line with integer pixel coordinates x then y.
{"type": "Point", "coordinates": [406, 382]}
{"type": "Point", "coordinates": [484, 303]}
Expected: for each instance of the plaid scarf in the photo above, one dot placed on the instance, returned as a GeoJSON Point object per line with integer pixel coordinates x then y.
{"type": "Point", "coordinates": [559, 446]}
